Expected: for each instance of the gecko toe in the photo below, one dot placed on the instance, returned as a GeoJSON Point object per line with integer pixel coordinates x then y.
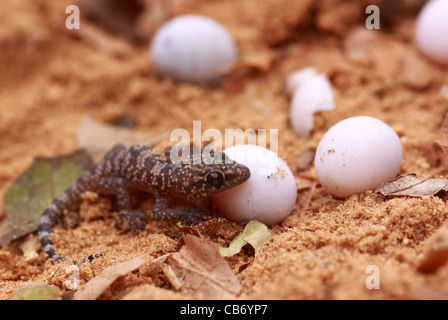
{"type": "Point", "coordinates": [195, 216]}
{"type": "Point", "coordinates": [135, 220]}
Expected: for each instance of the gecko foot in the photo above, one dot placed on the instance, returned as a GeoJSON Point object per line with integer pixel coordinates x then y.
{"type": "Point", "coordinates": [135, 220]}
{"type": "Point", "coordinates": [194, 216]}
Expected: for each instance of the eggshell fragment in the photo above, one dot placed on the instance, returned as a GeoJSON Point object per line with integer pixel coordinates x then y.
{"type": "Point", "coordinates": [268, 196]}
{"type": "Point", "coordinates": [312, 95]}
{"type": "Point", "coordinates": [431, 31]}
{"type": "Point", "coordinates": [296, 78]}
{"type": "Point", "coordinates": [192, 48]}
{"type": "Point", "coordinates": [356, 155]}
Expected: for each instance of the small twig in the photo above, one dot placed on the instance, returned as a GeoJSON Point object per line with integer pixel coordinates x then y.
{"type": "Point", "coordinates": [310, 195]}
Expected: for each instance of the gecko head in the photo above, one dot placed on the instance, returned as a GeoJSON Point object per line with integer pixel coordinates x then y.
{"type": "Point", "coordinates": [208, 174]}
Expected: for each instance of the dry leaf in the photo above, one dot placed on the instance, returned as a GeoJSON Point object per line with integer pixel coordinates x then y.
{"type": "Point", "coordinates": [430, 153]}
{"type": "Point", "coordinates": [106, 136]}
{"type": "Point", "coordinates": [443, 142]}
{"type": "Point", "coordinates": [413, 186]}
{"type": "Point", "coordinates": [435, 252]}
{"type": "Point", "coordinates": [37, 291]}
{"type": "Point", "coordinates": [199, 267]}
{"type": "Point", "coordinates": [151, 292]}
{"type": "Point", "coordinates": [27, 197]}
{"type": "Point", "coordinates": [255, 233]}
{"type": "Point", "coordinates": [97, 285]}
{"type": "Point", "coordinates": [434, 155]}
{"type": "Point", "coordinates": [29, 247]}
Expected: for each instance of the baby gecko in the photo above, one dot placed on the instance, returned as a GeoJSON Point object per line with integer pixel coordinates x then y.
{"type": "Point", "coordinates": [141, 167]}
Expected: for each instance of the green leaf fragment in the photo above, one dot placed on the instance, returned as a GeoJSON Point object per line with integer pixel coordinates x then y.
{"type": "Point", "coordinates": [255, 233]}
{"type": "Point", "coordinates": [37, 291]}
{"type": "Point", "coordinates": [32, 192]}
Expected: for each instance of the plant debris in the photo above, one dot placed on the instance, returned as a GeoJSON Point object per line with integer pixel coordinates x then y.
{"type": "Point", "coordinates": [107, 136]}
{"type": "Point", "coordinates": [95, 287]}
{"type": "Point", "coordinates": [28, 196]}
{"type": "Point", "coordinates": [29, 247]}
{"type": "Point", "coordinates": [37, 291]}
{"type": "Point", "coordinates": [413, 186]}
{"type": "Point", "coordinates": [255, 233]}
{"type": "Point", "coordinates": [198, 267]}
{"type": "Point", "coordinates": [443, 142]}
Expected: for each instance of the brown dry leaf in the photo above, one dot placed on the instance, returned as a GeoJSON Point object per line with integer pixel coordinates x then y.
{"type": "Point", "coordinates": [434, 154]}
{"type": "Point", "coordinates": [106, 136]}
{"type": "Point", "coordinates": [151, 292]}
{"type": "Point", "coordinates": [198, 267]}
{"type": "Point", "coordinates": [189, 230]}
{"type": "Point", "coordinates": [443, 143]}
{"type": "Point", "coordinates": [435, 253]}
{"type": "Point", "coordinates": [97, 285]}
{"type": "Point", "coordinates": [430, 153]}
{"type": "Point", "coordinates": [413, 186]}
{"type": "Point", "coordinates": [155, 264]}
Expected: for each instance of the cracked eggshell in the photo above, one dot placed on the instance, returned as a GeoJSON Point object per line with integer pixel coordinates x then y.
{"type": "Point", "coordinates": [192, 48]}
{"type": "Point", "coordinates": [313, 95]}
{"type": "Point", "coordinates": [269, 195]}
{"type": "Point", "coordinates": [356, 155]}
{"type": "Point", "coordinates": [431, 31]}
{"type": "Point", "coordinates": [296, 78]}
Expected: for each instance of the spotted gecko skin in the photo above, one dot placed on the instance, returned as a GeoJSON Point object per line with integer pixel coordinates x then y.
{"type": "Point", "coordinates": [142, 168]}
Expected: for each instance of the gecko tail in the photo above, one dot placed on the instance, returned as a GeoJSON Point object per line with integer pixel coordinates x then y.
{"type": "Point", "coordinates": [46, 223]}
{"type": "Point", "coordinates": [86, 259]}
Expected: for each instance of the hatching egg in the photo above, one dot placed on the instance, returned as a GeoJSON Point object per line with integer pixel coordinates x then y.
{"type": "Point", "coordinates": [269, 195]}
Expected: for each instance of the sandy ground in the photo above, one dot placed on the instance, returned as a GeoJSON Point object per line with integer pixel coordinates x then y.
{"type": "Point", "coordinates": [51, 77]}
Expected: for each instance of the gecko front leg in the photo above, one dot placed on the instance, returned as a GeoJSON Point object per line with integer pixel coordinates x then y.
{"type": "Point", "coordinates": [188, 216]}
{"type": "Point", "coordinates": [118, 186]}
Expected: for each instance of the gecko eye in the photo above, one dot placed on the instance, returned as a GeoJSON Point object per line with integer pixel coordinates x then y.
{"type": "Point", "coordinates": [215, 178]}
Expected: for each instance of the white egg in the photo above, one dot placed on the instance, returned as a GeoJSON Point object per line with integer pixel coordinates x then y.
{"type": "Point", "coordinates": [312, 95]}
{"type": "Point", "coordinates": [192, 48]}
{"type": "Point", "coordinates": [269, 195]}
{"type": "Point", "coordinates": [356, 155]}
{"type": "Point", "coordinates": [431, 31]}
